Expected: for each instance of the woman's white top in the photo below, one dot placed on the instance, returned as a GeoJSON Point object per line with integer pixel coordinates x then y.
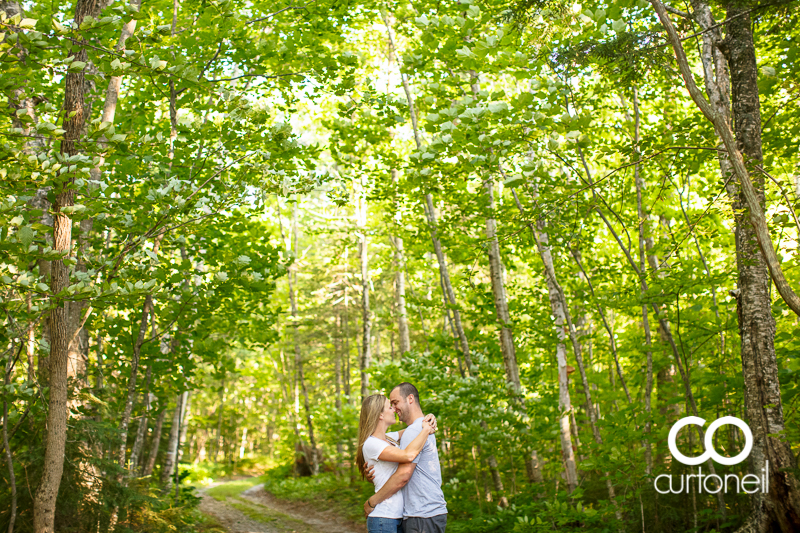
{"type": "Point", "coordinates": [391, 507]}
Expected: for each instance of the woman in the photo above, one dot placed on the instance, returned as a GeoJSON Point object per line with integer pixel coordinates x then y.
{"type": "Point", "coordinates": [381, 451]}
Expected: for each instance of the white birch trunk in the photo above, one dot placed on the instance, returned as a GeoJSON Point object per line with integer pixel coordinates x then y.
{"type": "Point", "coordinates": [172, 445]}
{"type": "Point", "coordinates": [564, 402]}
{"type": "Point", "coordinates": [141, 431]}
{"type": "Point", "coordinates": [155, 444]}
{"type": "Point", "coordinates": [400, 283]}
{"type": "Point", "coordinates": [500, 299]}
{"type": "Point", "coordinates": [400, 297]}
{"type": "Point", "coordinates": [366, 319]}
{"type": "Point", "coordinates": [298, 359]}
{"type": "Point", "coordinates": [244, 443]}
{"type": "Point", "coordinates": [430, 213]}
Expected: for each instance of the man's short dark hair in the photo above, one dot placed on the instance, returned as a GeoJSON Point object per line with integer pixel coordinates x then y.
{"type": "Point", "coordinates": [407, 389]}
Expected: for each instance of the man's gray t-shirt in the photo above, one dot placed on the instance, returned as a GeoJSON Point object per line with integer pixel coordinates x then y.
{"type": "Point", "coordinates": [422, 495]}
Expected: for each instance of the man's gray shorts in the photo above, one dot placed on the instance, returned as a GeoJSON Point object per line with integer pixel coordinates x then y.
{"type": "Point", "coordinates": [434, 524]}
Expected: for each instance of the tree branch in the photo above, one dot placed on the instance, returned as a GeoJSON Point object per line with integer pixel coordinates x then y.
{"type": "Point", "coordinates": [280, 11]}
{"type": "Point", "coordinates": [755, 211]}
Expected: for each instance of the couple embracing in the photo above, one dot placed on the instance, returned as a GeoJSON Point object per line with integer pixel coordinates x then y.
{"type": "Point", "coordinates": [403, 465]}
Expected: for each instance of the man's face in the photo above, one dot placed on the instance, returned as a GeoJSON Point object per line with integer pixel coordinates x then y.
{"type": "Point", "coordinates": [400, 405]}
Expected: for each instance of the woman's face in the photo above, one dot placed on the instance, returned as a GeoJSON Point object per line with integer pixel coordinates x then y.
{"type": "Point", "coordinates": [387, 415]}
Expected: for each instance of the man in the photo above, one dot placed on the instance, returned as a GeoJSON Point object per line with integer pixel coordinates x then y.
{"type": "Point", "coordinates": [424, 508]}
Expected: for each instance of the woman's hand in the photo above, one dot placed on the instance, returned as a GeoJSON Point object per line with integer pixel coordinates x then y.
{"type": "Point", "coordinates": [430, 422]}
{"type": "Point", "coordinates": [369, 472]}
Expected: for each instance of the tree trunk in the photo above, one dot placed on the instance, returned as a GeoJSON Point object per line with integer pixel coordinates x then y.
{"type": "Point", "coordinates": [448, 286]}
{"type": "Point", "coordinates": [366, 319]}
{"type": "Point", "coordinates": [30, 340]}
{"type": "Point", "coordinates": [174, 433]}
{"type": "Point", "coordinates": [642, 216]}
{"type": "Point", "coordinates": [430, 213]}
{"type": "Point", "coordinates": [564, 402]}
{"type": "Point", "coordinates": [298, 360]}
{"type": "Point", "coordinates": [141, 432]}
{"type": "Point", "coordinates": [400, 284]}
{"type": "Point", "coordinates": [147, 309]}
{"type": "Point", "coordinates": [337, 371]}
{"type": "Point", "coordinates": [781, 508]}
{"type": "Point", "coordinates": [495, 471]}
{"type": "Point", "coordinates": [560, 309]}
{"type": "Point", "coordinates": [79, 345]}
{"type": "Point", "coordinates": [220, 409]}
{"type": "Point", "coordinates": [781, 505]}
{"type": "Point", "coordinates": [534, 468]}
{"type": "Point", "coordinates": [337, 367]}
{"type": "Point", "coordinates": [7, 447]}
{"type": "Point", "coordinates": [404, 337]}
{"type": "Point", "coordinates": [184, 413]}
{"type": "Point", "coordinates": [74, 118]}
{"type": "Point", "coordinates": [500, 299]}
{"type": "Point", "coordinates": [739, 45]}
{"type": "Point", "coordinates": [155, 444]}
{"type": "Point", "coordinates": [346, 335]}
{"type": "Point", "coordinates": [377, 338]}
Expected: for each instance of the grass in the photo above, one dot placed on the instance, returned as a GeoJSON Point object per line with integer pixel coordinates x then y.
{"type": "Point", "coordinates": [230, 493]}
{"type": "Point", "coordinates": [274, 518]}
{"type": "Point", "coordinates": [233, 489]}
{"type": "Point", "coordinates": [208, 524]}
{"type": "Point", "coordinates": [325, 491]}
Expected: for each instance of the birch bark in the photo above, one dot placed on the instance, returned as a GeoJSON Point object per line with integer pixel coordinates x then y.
{"type": "Point", "coordinates": [298, 359]}
{"type": "Point", "coordinates": [564, 401]}
{"type": "Point", "coordinates": [366, 318]}
{"type": "Point", "coordinates": [147, 310]}
{"type": "Point", "coordinates": [172, 444]}
{"type": "Point", "coordinates": [665, 327]}
{"type": "Point", "coordinates": [560, 309]}
{"type": "Point", "coordinates": [155, 444]}
{"type": "Point", "coordinates": [186, 399]}
{"type": "Point", "coordinates": [642, 237]}
{"type": "Point", "coordinates": [141, 431]}
{"type": "Point", "coordinates": [430, 213]}
{"type": "Point", "coordinates": [500, 297]}
{"type": "Point", "coordinates": [400, 282]}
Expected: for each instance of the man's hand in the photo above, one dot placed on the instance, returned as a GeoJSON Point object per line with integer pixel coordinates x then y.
{"type": "Point", "coordinates": [369, 473]}
{"type": "Point", "coordinates": [431, 419]}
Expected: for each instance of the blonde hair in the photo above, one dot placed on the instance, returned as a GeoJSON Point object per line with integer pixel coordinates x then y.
{"type": "Point", "coordinates": [371, 409]}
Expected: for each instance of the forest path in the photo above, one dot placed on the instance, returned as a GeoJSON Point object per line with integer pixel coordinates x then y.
{"type": "Point", "coordinates": [253, 510]}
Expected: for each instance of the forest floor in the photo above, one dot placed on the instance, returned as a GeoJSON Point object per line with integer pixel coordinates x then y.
{"type": "Point", "coordinates": [243, 506]}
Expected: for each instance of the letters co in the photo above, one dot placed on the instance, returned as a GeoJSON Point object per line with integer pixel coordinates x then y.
{"type": "Point", "coordinates": [749, 483]}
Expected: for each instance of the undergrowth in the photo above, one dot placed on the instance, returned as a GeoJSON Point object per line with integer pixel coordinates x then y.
{"type": "Point", "coordinates": [526, 514]}
{"type": "Point", "coordinates": [341, 494]}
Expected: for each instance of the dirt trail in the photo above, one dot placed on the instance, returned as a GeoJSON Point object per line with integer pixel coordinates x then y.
{"type": "Point", "coordinates": [257, 511]}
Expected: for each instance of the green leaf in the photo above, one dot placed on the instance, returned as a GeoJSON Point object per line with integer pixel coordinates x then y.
{"type": "Point", "coordinates": [72, 209]}
{"type": "Point", "coordinates": [26, 235]}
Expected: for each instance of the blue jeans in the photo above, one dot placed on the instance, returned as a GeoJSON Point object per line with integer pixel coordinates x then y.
{"type": "Point", "coordinates": [377, 524]}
